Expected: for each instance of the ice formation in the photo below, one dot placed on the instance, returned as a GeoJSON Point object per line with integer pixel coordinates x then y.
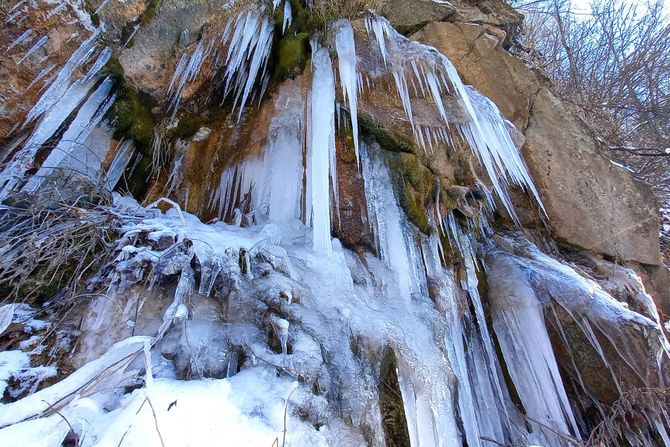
{"type": "Point", "coordinates": [420, 70]}
{"type": "Point", "coordinates": [59, 101]}
{"type": "Point", "coordinates": [346, 59]}
{"type": "Point", "coordinates": [266, 321]}
{"type": "Point", "coordinates": [321, 150]}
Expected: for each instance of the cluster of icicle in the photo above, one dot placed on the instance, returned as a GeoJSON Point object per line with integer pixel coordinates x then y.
{"type": "Point", "coordinates": [421, 71]}
{"type": "Point", "coordinates": [428, 71]}
{"type": "Point", "coordinates": [75, 93]}
{"type": "Point", "coordinates": [246, 42]}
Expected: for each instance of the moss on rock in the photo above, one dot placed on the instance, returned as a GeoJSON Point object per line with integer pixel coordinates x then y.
{"type": "Point", "coordinates": [386, 138]}
{"type": "Point", "coordinates": [416, 188]}
{"type": "Point", "coordinates": [133, 117]}
{"type": "Point", "coordinates": [187, 127]}
{"type": "Point", "coordinates": [139, 180]}
{"type": "Point", "coordinates": [292, 56]}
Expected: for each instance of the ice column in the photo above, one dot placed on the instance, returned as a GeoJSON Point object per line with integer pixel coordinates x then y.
{"type": "Point", "coordinates": [321, 150]}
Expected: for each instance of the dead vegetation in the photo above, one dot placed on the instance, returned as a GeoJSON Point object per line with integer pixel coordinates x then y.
{"type": "Point", "coordinates": [51, 241]}
{"type": "Point", "coordinates": [329, 10]}
{"type": "Point", "coordinates": [637, 418]}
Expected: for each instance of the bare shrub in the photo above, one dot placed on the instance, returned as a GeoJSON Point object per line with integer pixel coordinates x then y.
{"type": "Point", "coordinates": [636, 418]}
{"type": "Point", "coordinates": [53, 239]}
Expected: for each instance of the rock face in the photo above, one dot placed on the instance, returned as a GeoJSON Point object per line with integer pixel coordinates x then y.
{"type": "Point", "coordinates": [590, 202]}
{"type": "Point", "coordinates": [429, 317]}
{"type": "Point", "coordinates": [407, 17]}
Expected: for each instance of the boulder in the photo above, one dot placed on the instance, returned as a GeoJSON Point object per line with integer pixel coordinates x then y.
{"type": "Point", "coordinates": [591, 202]}
{"type": "Point", "coordinates": [408, 17]}
{"type": "Point", "coordinates": [492, 13]}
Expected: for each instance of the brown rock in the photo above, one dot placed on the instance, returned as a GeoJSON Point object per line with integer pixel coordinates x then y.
{"type": "Point", "coordinates": [494, 13]}
{"type": "Point", "coordinates": [408, 17]}
{"type": "Point", "coordinates": [481, 62]}
{"type": "Point", "coordinates": [591, 202]}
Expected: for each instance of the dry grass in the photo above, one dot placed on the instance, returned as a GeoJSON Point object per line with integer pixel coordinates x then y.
{"type": "Point", "coordinates": [633, 418]}
{"type": "Point", "coordinates": [51, 241]}
{"type": "Point", "coordinates": [329, 10]}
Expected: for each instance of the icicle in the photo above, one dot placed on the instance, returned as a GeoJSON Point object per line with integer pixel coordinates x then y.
{"type": "Point", "coordinates": [272, 183]}
{"type": "Point", "coordinates": [281, 327]}
{"type": "Point", "coordinates": [519, 324]}
{"type": "Point", "coordinates": [104, 57]}
{"type": "Point", "coordinates": [187, 73]}
{"type": "Point", "coordinates": [34, 48]}
{"type": "Point", "coordinates": [57, 9]}
{"type": "Point", "coordinates": [49, 124]}
{"type": "Point", "coordinates": [388, 221]}
{"type": "Point", "coordinates": [321, 149]}
{"type": "Point", "coordinates": [486, 132]}
{"type": "Point", "coordinates": [287, 16]}
{"type": "Point", "coordinates": [19, 40]}
{"type": "Point", "coordinates": [55, 91]}
{"type": "Point", "coordinates": [88, 116]}
{"type": "Point", "coordinates": [248, 52]}
{"type": "Point", "coordinates": [41, 75]}
{"type": "Point", "coordinates": [99, 8]}
{"type": "Point", "coordinates": [346, 56]}
{"type": "Point", "coordinates": [123, 155]}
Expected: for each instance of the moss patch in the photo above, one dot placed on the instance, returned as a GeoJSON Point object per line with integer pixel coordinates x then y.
{"type": "Point", "coordinates": [133, 117]}
{"type": "Point", "coordinates": [386, 138]}
{"type": "Point", "coordinates": [416, 188]}
{"type": "Point", "coordinates": [292, 56]}
{"type": "Point", "coordinates": [139, 180]}
{"type": "Point", "coordinates": [114, 70]}
{"type": "Point", "coordinates": [187, 127]}
{"type": "Point", "coordinates": [150, 12]}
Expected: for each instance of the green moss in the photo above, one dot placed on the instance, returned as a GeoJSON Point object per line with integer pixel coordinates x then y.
{"type": "Point", "coordinates": [133, 117]}
{"type": "Point", "coordinates": [187, 127]}
{"type": "Point", "coordinates": [346, 153]}
{"type": "Point", "coordinates": [416, 186]}
{"type": "Point", "coordinates": [386, 138]}
{"type": "Point", "coordinates": [138, 182]}
{"type": "Point", "coordinates": [126, 33]}
{"type": "Point", "coordinates": [113, 69]}
{"type": "Point", "coordinates": [292, 56]}
{"type": "Point", "coordinates": [150, 11]}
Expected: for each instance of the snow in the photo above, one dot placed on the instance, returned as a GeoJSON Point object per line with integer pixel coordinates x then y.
{"type": "Point", "coordinates": [11, 364]}
{"type": "Point", "coordinates": [241, 411]}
